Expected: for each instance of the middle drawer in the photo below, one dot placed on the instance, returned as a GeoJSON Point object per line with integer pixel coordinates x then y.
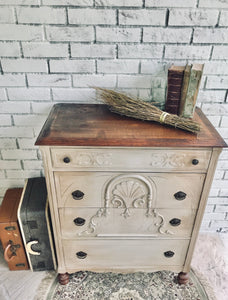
{"type": "Point", "coordinates": [142, 190]}
{"type": "Point", "coordinates": [79, 223]}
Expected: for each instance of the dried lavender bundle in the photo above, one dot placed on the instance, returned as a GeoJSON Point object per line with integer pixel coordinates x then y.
{"type": "Point", "coordinates": [123, 104]}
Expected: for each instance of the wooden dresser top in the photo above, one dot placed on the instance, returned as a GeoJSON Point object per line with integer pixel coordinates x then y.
{"type": "Point", "coordinates": [94, 125]}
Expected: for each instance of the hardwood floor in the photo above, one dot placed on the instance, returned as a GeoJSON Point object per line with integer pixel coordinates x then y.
{"type": "Point", "coordinates": [210, 261]}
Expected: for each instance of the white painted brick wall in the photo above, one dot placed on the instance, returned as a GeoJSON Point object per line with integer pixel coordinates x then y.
{"type": "Point", "coordinates": [53, 51]}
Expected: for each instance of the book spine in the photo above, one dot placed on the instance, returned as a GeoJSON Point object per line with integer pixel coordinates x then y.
{"type": "Point", "coordinates": [175, 79]}
{"type": "Point", "coordinates": [184, 89]}
{"type": "Point", "coordinates": [192, 92]}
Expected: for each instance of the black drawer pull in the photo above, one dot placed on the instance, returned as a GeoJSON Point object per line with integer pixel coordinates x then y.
{"type": "Point", "coordinates": [79, 221]}
{"type": "Point", "coordinates": [180, 195]}
{"type": "Point", "coordinates": [66, 160]}
{"type": "Point", "coordinates": [195, 162]}
{"type": "Point", "coordinates": [77, 195]}
{"type": "Point", "coordinates": [175, 222]}
{"type": "Point", "coordinates": [169, 254]}
{"type": "Point", "coordinates": [81, 255]}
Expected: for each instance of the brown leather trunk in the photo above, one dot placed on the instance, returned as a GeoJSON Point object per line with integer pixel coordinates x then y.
{"type": "Point", "coordinates": [10, 236]}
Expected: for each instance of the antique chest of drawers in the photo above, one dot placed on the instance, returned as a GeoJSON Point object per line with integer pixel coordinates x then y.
{"type": "Point", "coordinates": [125, 195]}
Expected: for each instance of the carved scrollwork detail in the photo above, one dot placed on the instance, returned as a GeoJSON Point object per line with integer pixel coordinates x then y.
{"type": "Point", "coordinates": [159, 221]}
{"type": "Point", "coordinates": [93, 159]}
{"type": "Point", "coordinates": [168, 160]}
{"type": "Point", "coordinates": [91, 229]}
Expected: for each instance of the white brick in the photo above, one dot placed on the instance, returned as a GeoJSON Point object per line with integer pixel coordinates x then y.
{"type": "Point", "coordinates": [79, 95]}
{"type": "Point", "coordinates": [30, 94]}
{"type": "Point", "coordinates": [22, 174]}
{"type": "Point", "coordinates": [72, 66]}
{"type": "Point", "coordinates": [218, 225]}
{"type": "Point", "coordinates": [118, 66]}
{"type": "Point", "coordinates": [24, 65]}
{"type": "Point", "coordinates": [2, 175]}
{"type": "Point", "coordinates": [226, 177]}
{"type": "Point", "coordinates": [211, 96]}
{"type": "Point", "coordinates": [214, 216]}
{"type": "Point", "coordinates": [220, 52]}
{"type": "Point", "coordinates": [7, 143]}
{"type": "Point", "coordinates": [193, 17]}
{"type": "Point", "coordinates": [64, 34]}
{"type": "Point", "coordinates": [224, 122]}
{"type": "Point", "coordinates": [167, 35]}
{"type": "Point", "coordinates": [14, 32]}
{"type": "Point", "coordinates": [11, 183]}
{"type": "Point", "coordinates": [223, 18]}
{"type": "Point", "coordinates": [219, 175]}
{"type": "Point", "coordinates": [94, 80]}
{"type": "Point", "coordinates": [213, 3]}
{"type": "Point", "coordinates": [215, 120]}
{"type": "Point", "coordinates": [217, 82]}
{"type": "Point", "coordinates": [41, 15]}
{"type": "Point", "coordinates": [19, 2]}
{"type": "Point", "coordinates": [92, 16]}
{"type": "Point", "coordinates": [50, 80]}
{"type": "Point", "coordinates": [210, 35]}
{"type": "Point", "coordinates": [29, 120]}
{"type": "Point", "coordinates": [2, 94]}
{"type": "Point", "coordinates": [140, 51]}
{"type": "Point", "coordinates": [215, 109]}
{"type": "Point", "coordinates": [187, 52]}
{"type": "Point", "coordinates": [142, 17]}
{"type": "Point", "coordinates": [157, 68]}
{"type": "Point", "coordinates": [106, 34]}
{"type": "Point", "coordinates": [41, 108]}
{"type": "Point", "coordinates": [9, 49]}
{"type": "Point", "coordinates": [16, 132]}
{"type": "Point", "coordinates": [170, 3]}
{"type": "Point", "coordinates": [9, 107]}
{"type": "Point", "coordinates": [10, 164]}
{"type": "Point", "coordinates": [33, 164]}
{"type": "Point", "coordinates": [224, 133]}
{"type": "Point", "coordinates": [216, 67]}
{"type": "Point", "coordinates": [217, 200]}
{"type": "Point", "coordinates": [7, 15]}
{"type": "Point", "coordinates": [5, 120]}
{"type": "Point", "coordinates": [119, 3]}
{"type": "Point", "coordinates": [219, 183]}
{"type": "Point", "coordinates": [44, 50]}
{"type": "Point", "coordinates": [12, 80]}
{"type": "Point", "coordinates": [27, 143]}
{"type": "Point", "coordinates": [223, 193]}
{"type": "Point", "coordinates": [68, 2]}
{"type": "Point", "coordinates": [134, 81]}
{"type": "Point", "coordinates": [222, 165]}
{"type": "Point", "coordinates": [19, 154]}
{"type": "Point", "coordinates": [224, 154]}
{"type": "Point", "coordinates": [92, 51]}
{"type": "Point", "coordinates": [221, 208]}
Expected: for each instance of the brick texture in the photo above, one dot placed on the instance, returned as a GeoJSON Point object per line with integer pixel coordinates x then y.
{"type": "Point", "coordinates": [53, 51]}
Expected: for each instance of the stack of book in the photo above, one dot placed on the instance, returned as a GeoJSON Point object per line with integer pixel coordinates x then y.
{"type": "Point", "coordinates": [182, 89]}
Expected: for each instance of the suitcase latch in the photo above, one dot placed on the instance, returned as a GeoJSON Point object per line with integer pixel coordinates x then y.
{"type": "Point", "coordinates": [10, 228]}
{"type": "Point", "coordinates": [12, 248]}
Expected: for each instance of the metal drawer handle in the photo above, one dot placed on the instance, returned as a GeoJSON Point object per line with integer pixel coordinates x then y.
{"type": "Point", "coordinates": [169, 254]}
{"type": "Point", "coordinates": [180, 195]}
{"type": "Point", "coordinates": [195, 162]}
{"type": "Point", "coordinates": [81, 255]}
{"type": "Point", "coordinates": [66, 160]}
{"type": "Point", "coordinates": [175, 222]}
{"type": "Point", "coordinates": [79, 221]}
{"type": "Point", "coordinates": [77, 195]}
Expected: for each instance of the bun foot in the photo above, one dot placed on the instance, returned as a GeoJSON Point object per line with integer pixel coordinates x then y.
{"type": "Point", "coordinates": [182, 278]}
{"type": "Point", "coordinates": [63, 278]}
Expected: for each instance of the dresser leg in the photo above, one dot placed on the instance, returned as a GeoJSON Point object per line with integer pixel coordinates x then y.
{"type": "Point", "coordinates": [182, 278]}
{"type": "Point", "coordinates": [63, 278]}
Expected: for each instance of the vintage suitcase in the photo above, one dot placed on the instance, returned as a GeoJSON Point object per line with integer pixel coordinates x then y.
{"type": "Point", "coordinates": [34, 221]}
{"type": "Point", "coordinates": [14, 252]}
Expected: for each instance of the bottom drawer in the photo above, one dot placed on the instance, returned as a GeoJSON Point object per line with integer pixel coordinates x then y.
{"type": "Point", "coordinates": [132, 255]}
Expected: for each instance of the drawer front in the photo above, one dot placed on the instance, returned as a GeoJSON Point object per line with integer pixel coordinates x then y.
{"type": "Point", "coordinates": [128, 159]}
{"type": "Point", "coordinates": [79, 223]}
{"type": "Point", "coordinates": [163, 190]}
{"type": "Point", "coordinates": [111, 254]}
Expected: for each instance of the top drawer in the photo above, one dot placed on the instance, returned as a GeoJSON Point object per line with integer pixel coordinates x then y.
{"type": "Point", "coordinates": [129, 159]}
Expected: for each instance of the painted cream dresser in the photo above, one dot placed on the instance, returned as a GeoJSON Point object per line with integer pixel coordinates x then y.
{"type": "Point", "coordinates": [125, 195]}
